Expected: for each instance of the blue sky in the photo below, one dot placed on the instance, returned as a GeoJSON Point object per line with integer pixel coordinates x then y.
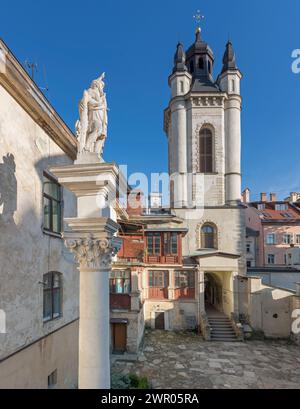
{"type": "Point", "coordinates": [134, 42]}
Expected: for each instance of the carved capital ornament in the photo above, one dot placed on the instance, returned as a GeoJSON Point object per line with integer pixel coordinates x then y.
{"type": "Point", "coordinates": [93, 253]}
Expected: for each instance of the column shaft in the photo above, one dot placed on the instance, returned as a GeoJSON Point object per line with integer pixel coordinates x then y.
{"type": "Point", "coordinates": [94, 330]}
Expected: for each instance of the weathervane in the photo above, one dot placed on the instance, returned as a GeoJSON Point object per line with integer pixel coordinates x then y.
{"type": "Point", "coordinates": [198, 17]}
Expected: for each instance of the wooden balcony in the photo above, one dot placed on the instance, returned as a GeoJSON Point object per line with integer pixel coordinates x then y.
{"type": "Point", "coordinates": [120, 301]}
{"type": "Point", "coordinates": [157, 293]}
{"type": "Point", "coordinates": [184, 293]}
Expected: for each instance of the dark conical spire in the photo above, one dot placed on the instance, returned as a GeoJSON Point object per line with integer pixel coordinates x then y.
{"type": "Point", "coordinates": [229, 58]}
{"type": "Point", "coordinates": [179, 59]}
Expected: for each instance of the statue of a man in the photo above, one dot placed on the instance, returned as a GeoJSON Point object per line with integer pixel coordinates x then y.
{"type": "Point", "coordinates": [91, 128]}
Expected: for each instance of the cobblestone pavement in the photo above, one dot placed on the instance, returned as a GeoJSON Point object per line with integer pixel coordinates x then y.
{"type": "Point", "coordinates": [183, 360]}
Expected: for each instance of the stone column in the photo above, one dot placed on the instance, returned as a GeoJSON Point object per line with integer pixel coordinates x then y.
{"type": "Point", "coordinates": [171, 289]}
{"type": "Point", "coordinates": [179, 132]}
{"type": "Point", "coordinates": [235, 292]}
{"type": "Point", "coordinates": [91, 237]}
{"type": "Point", "coordinates": [201, 291]}
{"type": "Point", "coordinates": [233, 149]}
{"type": "Point", "coordinates": [94, 255]}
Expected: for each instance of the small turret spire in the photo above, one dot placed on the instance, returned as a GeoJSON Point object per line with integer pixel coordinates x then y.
{"type": "Point", "coordinates": [229, 62]}
{"type": "Point", "coordinates": [179, 59]}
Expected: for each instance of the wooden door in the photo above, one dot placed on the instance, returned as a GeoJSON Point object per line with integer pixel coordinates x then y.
{"type": "Point", "coordinates": [160, 321]}
{"type": "Point", "coordinates": [119, 334]}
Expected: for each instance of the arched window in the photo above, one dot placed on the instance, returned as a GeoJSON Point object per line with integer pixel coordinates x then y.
{"type": "Point", "coordinates": [232, 86]}
{"type": "Point", "coordinates": [52, 296]}
{"type": "Point", "coordinates": [206, 151]}
{"type": "Point", "coordinates": [209, 238]}
{"type": "Point", "coordinates": [192, 67]}
{"type": "Point", "coordinates": [209, 67]}
{"type": "Point", "coordinates": [201, 63]}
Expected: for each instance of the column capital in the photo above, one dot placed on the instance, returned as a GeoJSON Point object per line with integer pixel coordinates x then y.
{"type": "Point", "coordinates": [93, 252]}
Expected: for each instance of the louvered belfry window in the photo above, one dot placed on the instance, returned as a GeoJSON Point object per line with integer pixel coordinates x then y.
{"type": "Point", "coordinates": [206, 151]}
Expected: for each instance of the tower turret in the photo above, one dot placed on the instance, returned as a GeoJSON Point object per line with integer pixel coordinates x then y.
{"type": "Point", "coordinates": [180, 80]}
{"type": "Point", "coordinates": [200, 62]}
{"type": "Point", "coordinates": [229, 82]}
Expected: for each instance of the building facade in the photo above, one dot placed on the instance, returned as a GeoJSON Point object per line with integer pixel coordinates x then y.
{"type": "Point", "coordinates": [184, 262]}
{"type": "Point", "coordinates": [38, 277]}
{"type": "Point", "coordinates": [276, 226]}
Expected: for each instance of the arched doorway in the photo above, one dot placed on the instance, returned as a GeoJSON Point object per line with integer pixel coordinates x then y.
{"type": "Point", "coordinates": [213, 292]}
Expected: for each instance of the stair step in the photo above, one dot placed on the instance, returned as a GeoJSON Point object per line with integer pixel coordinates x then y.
{"type": "Point", "coordinates": [220, 323]}
{"type": "Point", "coordinates": [224, 340]}
{"type": "Point", "coordinates": [219, 320]}
{"type": "Point", "coordinates": [223, 329]}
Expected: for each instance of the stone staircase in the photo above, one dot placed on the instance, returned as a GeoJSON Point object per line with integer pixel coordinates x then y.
{"type": "Point", "coordinates": [221, 328]}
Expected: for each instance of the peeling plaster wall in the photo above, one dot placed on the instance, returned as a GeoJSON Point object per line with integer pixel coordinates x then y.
{"type": "Point", "coordinates": [25, 252]}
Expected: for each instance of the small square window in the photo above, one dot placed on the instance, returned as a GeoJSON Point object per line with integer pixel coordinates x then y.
{"type": "Point", "coordinates": [271, 238]}
{"type": "Point", "coordinates": [287, 238]}
{"type": "Point", "coordinates": [52, 380]}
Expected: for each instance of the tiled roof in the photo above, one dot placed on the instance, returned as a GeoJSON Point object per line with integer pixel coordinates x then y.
{"type": "Point", "coordinates": [290, 215]}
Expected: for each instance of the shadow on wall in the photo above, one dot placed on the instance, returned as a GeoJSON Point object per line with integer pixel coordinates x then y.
{"type": "Point", "coordinates": [8, 189]}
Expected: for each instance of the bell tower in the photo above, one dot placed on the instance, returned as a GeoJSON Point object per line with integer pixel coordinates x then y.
{"type": "Point", "coordinates": [203, 126]}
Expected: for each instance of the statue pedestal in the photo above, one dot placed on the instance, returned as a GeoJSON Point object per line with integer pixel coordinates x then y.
{"type": "Point", "coordinates": [88, 157]}
{"type": "Point", "coordinates": [92, 240]}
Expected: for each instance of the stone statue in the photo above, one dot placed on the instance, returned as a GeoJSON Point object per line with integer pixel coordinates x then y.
{"type": "Point", "coordinates": [91, 128]}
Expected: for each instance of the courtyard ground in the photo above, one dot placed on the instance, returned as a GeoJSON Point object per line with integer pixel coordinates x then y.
{"type": "Point", "coordinates": [183, 361]}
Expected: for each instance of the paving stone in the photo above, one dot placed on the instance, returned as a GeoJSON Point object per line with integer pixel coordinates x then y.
{"type": "Point", "coordinates": [179, 366]}
{"type": "Point", "coordinates": [208, 365]}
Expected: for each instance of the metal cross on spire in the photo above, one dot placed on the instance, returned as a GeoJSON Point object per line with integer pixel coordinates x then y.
{"type": "Point", "coordinates": [198, 17]}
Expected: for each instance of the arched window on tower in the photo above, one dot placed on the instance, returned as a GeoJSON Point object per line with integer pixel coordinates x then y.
{"type": "Point", "coordinates": [192, 67]}
{"type": "Point", "coordinates": [209, 67]}
{"type": "Point", "coordinates": [209, 239]}
{"type": "Point", "coordinates": [201, 63]}
{"type": "Point", "coordinates": [206, 151]}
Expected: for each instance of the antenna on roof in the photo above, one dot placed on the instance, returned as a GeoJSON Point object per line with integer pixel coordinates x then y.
{"type": "Point", "coordinates": [46, 88]}
{"type": "Point", "coordinates": [32, 69]}
{"type": "Point", "coordinates": [31, 66]}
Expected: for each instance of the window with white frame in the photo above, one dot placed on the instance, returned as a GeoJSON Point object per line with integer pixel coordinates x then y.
{"type": "Point", "coordinates": [120, 282]}
{"type": "Point", "coordinates": [281, 206]}
{"type": "Point", "coordinates": [298, 239]}
{"type": "Point", "coordinates": [287, 238]}
{"type": "Point", "coordinates": [271, 259]}
{"type": "Point", "coordinates": [271, 238]}
{"type": "Point", "coordinates": [52, 296]}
